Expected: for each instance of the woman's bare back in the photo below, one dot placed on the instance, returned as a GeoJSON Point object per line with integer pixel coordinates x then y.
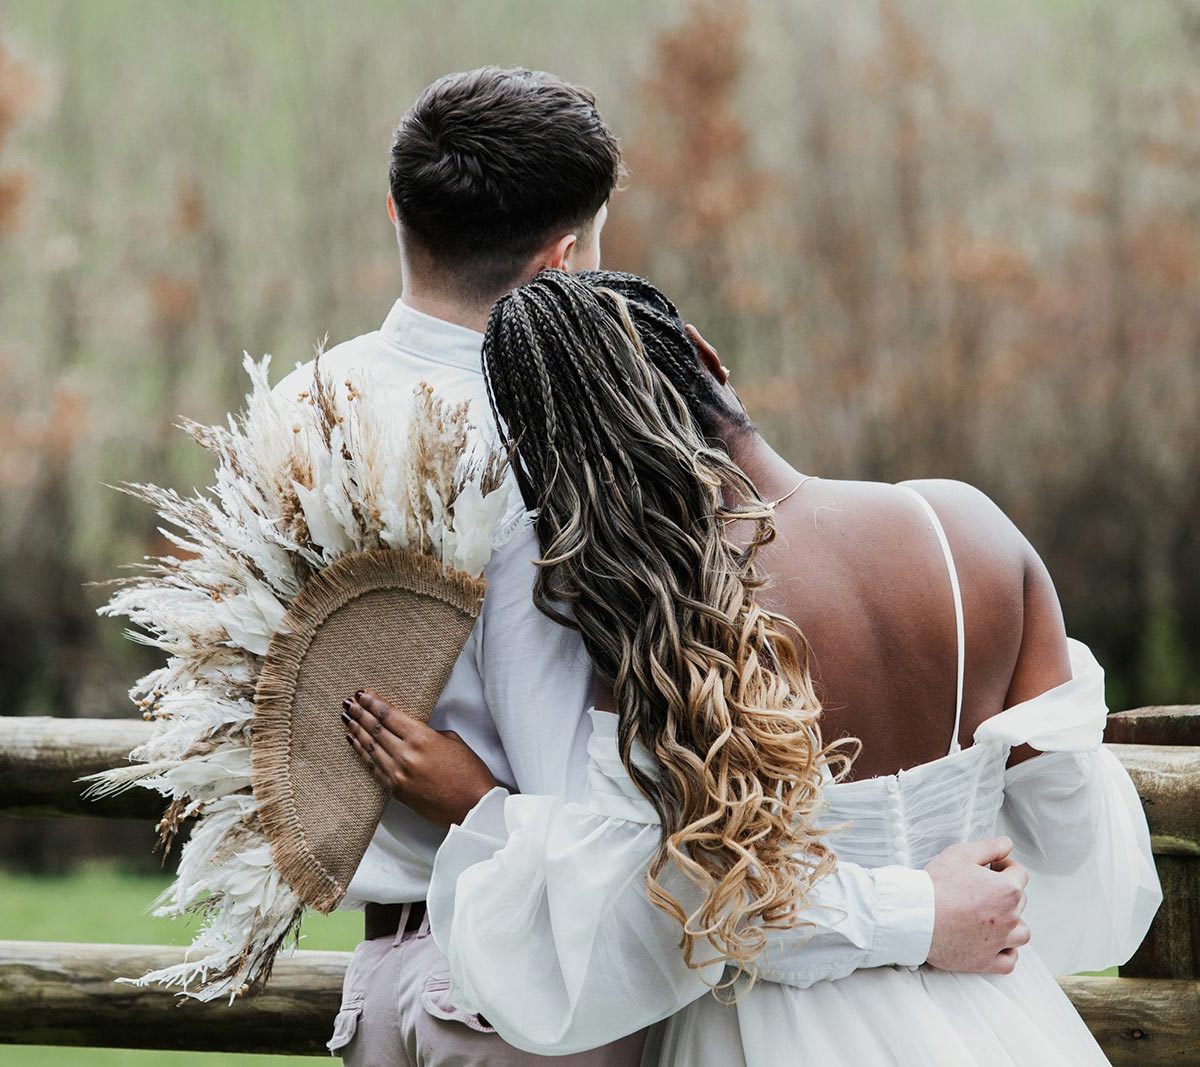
{"type": "Point", "coordinates": [859, 568]}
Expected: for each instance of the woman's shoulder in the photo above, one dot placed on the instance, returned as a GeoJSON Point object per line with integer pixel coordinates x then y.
{"type": "Point", "coordinates": [878, 537]}
{"type": "Point", "coordinates": [1007, 590]}
{"type": "Point", "coordinates": [965, 507]}
{"type": "Point", "coordinates": [976, 527]}
{"type": "Point", "coordinates": [985, 542]}
{"type": "Point", "coordinates": [990, 557]}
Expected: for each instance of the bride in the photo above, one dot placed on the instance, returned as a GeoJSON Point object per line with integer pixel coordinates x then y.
{"type": "Point", "coordinates": [790, 669]}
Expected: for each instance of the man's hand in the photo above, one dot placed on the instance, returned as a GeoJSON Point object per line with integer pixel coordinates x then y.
{"type": "Point", "coordinates": [978, 897]}
{"type": "Point", "coordinates": [433, 772]}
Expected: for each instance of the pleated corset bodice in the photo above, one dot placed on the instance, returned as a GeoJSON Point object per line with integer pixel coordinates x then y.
{"type": "Point", "coordinates": [908, 818]}
{"type": "Point", "coordinates": [905, 818]}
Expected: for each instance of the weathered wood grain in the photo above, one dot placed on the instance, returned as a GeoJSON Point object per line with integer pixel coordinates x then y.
{"type": "Point", "coordinates": [64, 994]}
{"type": "Point", "coordinates": [1144, 1021]}
{"type": "Point", "coordinates": [57, 993]}
{"type": "Point", "coordinates": [1167, 778]}
{"type": "Point", "coordinates": [41, 758]}
{"type": "Point", "coordinates": [1175, 724]}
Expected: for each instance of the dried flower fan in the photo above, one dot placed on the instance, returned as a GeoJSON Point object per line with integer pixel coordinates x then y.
{"type": "Point", "coordinates": [384, 619]}
{"type": "Point", "coordinates": [336, 550]}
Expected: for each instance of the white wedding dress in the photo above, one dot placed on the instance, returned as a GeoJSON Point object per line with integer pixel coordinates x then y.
{"type": "Point", "coordinates": [557, 914]}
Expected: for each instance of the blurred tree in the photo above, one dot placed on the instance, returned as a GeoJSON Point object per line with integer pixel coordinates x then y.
{"type": "Point", "coordinates": [957, 240]}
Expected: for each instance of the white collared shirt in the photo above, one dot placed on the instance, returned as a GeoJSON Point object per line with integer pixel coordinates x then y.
{"type": "Point", "coordinates": [520, 694]}
{"type": "Point", "coordinates": [524, 745]}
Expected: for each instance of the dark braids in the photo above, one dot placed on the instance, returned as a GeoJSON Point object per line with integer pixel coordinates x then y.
{"type": "Point", "coordinates": [661, 331]}
{"type": "Point", "coordinates": [612, 421]}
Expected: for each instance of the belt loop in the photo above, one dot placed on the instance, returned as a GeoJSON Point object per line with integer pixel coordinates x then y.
{"type": "Point", "coordinates": [402, 929]}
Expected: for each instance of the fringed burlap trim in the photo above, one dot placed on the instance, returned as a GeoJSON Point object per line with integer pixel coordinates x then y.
{"type": "Point", "coordinates": [343, 580]}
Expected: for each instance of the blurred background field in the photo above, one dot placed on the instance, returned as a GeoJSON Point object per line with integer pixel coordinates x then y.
{"type": "Point", "coordinates": [931, 240]}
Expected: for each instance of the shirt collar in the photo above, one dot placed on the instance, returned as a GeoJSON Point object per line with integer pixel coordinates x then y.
{"type": "Point", "coordinates": [433, 338]}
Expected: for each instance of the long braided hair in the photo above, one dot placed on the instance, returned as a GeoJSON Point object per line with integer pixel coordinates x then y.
{"type": "Point", "coordinates": [613, 425]}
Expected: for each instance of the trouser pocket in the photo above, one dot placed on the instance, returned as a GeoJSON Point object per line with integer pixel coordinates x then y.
{"type": "Point", "coordinates": [363, 962]}
{"type": "Point", "coordinates": [345, 1025]}
{"type": "Point", "coordinates": [435, 999]}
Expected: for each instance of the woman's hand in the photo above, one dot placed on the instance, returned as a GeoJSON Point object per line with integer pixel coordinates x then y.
{"type": "Point", "coordinates": [433, 772]}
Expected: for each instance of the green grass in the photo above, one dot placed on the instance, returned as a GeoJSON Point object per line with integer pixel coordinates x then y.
{"type": "Point", "coordinates": [102, 904]}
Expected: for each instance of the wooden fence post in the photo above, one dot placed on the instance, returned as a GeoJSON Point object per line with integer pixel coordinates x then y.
{"type": "Point", "coordinates": [1172, 947]}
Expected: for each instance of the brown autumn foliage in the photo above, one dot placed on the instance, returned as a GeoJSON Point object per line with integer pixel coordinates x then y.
{"type": "Point", "coordinates": [910, 273]}
{"type": "Point", "coordinates": [19, 92]}
{"type": "Point", "coordinates": [693, 179]}
{"type": "Point", "coordinates": [906, 339]}
{"type": "Point", "coordinates": [18, 95]}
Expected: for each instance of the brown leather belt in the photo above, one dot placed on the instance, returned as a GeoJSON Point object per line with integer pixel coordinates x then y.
{"type": "Point", "coordinates": [383, 920]}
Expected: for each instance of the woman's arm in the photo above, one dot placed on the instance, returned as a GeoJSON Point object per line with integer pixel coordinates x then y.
{"type": "Point", "coordinates": [1044, 660]}
{"type": "Point", "coordinates": [1078, 826]}
{"type": "Point", "coordinates": [1073, 814]}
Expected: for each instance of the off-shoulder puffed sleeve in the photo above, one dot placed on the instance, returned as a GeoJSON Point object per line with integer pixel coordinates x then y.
{"type": "Point", "coordinates": [541, 908]}
{"type": "Point", "coordinates": [1077, 824]}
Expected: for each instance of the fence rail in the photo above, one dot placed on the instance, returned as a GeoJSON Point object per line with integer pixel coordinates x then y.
{"type": "Point", "coordinates": [42, 758]}
{"type": "Point", "coordinates": [65, 994]}
{"type": "Point", "coordinates": [59, 993]}
{"type": "Point", "coordinates": [1167, 778]}
{"type": "Point", "coordinates": [1171, 724]}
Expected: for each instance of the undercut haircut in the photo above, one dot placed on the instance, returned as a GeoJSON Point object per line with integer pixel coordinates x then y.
{"type": "Point", "coordinates": [490, 164]}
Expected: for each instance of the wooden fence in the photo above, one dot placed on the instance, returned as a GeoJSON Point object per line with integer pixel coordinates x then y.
{"type": "Point", "coordinates": [54, 993]}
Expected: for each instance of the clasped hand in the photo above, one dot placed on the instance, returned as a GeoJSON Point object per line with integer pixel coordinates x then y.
{"type": "Point", "coordinates": [979, 894]}
{"type": "Point", "coordinates": [433, 772]}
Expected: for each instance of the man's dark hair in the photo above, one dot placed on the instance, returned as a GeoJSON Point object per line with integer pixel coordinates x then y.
{"type": "Point", "coordinates": [489, 164]}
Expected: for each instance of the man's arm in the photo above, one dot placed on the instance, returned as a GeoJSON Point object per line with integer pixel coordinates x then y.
{"type": "Point", "coordinates": [542, 910]}
{"type": "Point", "coordinates": [961, 913]}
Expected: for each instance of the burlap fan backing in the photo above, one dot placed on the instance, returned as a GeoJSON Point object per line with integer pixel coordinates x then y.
{"type": "Point", "coordinates": [386, 620]}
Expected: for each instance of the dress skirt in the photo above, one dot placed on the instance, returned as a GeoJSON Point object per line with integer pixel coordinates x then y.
{"type": "Point", "coordinates": [889, 1015]}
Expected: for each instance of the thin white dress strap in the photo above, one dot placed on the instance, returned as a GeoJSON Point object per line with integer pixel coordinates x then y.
{"type": "Point", "coordinates": [960, 628]}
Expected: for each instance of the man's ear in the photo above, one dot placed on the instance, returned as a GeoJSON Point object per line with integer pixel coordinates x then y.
{"type": "Point", "coordinates": [391, 209]}
{"type": "Point", "coordinates": [709, 359]}
{"type": "Point", "coordinates": [558, 255]}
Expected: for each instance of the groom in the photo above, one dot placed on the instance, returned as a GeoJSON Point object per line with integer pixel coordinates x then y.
{"type": "Point", "coordinates": [496, 175]}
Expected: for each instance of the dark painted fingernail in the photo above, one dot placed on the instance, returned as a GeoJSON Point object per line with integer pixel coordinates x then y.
{"type": "Point", "coordinates": [349, 740]}
{"type": "Point", "coordinates": [345, 718]}
{"type": "Point", "coordinates": [358, 694]}
{"type": "Point", "coordinates": [346, 703]}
